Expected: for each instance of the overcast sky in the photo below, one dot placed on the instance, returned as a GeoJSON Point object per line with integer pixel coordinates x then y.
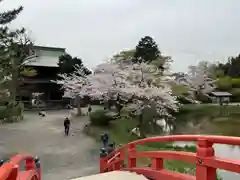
{"type": "Point", "coordinates": [187, 30]}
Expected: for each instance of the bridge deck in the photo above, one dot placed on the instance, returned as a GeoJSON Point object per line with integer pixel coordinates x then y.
{"type": "Point", "coordinates": [114, 175]}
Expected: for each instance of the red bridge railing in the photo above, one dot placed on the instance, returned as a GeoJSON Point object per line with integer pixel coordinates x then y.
{"type": "Point", "coordinates": [11, 170]}
{"type": "Point", "coordinates": [205, 159]}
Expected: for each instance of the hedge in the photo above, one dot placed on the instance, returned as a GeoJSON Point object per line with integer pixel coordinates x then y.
{"type": "Point", "coordinates": [11, 112]}
{"type": "Point", "coordinates": [100, 117]}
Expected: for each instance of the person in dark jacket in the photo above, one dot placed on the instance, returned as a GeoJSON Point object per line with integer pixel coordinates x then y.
{"type": "Point", "coordinates": [105, 139]}
{"type": "Point", "coordinates": [66, 126]}
{"type": "Point", "coordinates": [89, 109]}
{"type": "Point", "coordinates": [111, 148]}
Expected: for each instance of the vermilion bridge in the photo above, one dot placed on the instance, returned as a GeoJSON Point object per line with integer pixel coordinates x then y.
{"type": "Point", "coordinates": [205, 160]}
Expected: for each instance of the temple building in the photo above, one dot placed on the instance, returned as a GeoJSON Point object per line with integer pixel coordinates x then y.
{"type": "Point", "coordinates": [46, 66]}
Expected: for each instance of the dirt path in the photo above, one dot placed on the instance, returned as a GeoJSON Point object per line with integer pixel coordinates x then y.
{"type": "Point", "coordinates": [61, 157]}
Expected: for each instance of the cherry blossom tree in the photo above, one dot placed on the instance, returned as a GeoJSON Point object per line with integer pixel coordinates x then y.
{"type": "Point", "coordinates": [135, 86]}
{"type": "Point", "coordinates": [148, 89]}
{"type": "Point", "coordinates": [198, 80]}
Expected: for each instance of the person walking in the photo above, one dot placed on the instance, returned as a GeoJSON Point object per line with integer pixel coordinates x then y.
{"type": "Point", "coordinates": [66, 126]}
{"type": "Point", "coordinates": [89, 109]}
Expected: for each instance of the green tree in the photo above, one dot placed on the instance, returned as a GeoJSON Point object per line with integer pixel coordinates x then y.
{"type": "Point", "coordinates": [224, 83]}
{"type": "Point", "coordinates": [67, 64]}
{"type": "Point", "coordinates": [146, 50]}
{"type": "Point", "coordinates": [8, 16]}
{"type": "Point", "coordinates": [5, 18]}
{"type": "Point", "coordinates": [15, 50]}
{"type": "Point", "coordinates": [231, 68]}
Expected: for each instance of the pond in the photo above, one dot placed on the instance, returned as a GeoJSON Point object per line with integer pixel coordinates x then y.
{"type": "Point", "coordinates": [227, 126]}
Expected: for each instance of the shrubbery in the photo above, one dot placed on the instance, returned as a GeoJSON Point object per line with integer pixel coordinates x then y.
{"type": "Point", "coordinates": [236, 83]}
{"type": "Point", "coordinates": [203, 98]}
{"type": "Point", "coordinates": [100, 117]}
{"type": "Point", "coordinates": [183, 100]}
{"type": "Point", "coordinates": [11, 112]}
{"type": "Point", "coordinates": [231, 85]}
{"type": "Point", "coordinates": [235, 95]}
{"type": "Point", "coordinates": [224, 83]}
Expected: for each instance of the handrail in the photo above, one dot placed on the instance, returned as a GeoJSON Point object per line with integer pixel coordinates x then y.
{"type": "Point", "coordinates": [205, 160]}
{"type": "Point", "coordinates": [11, 171]}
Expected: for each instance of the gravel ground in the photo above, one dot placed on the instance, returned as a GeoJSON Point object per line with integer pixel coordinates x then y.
{"type": "Point", "coordinates": [61, 157]}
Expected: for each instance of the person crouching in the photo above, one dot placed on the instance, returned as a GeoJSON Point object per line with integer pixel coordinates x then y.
{"type": "Point", "coordinates": [42, 113]}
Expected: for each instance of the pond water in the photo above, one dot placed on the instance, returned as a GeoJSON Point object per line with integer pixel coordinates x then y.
{"type": "Point", "coordinates": [213, 126]}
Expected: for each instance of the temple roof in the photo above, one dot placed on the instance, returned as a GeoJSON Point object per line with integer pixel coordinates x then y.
{"type": "Point", "coordinates": [46, 56]}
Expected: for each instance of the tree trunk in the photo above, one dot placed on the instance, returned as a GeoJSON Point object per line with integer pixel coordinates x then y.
{"type": "Point", "coordinates": [154, 124]}
{"type": "Point", "coordinates": [118, 108]}
{"type": "Point", "coordinates": [79, 109]}
{"type": "Point", "coordinates": [109, 105]}
{"type": "Point", "coordinates": [141, 126]}
{"type": "Point", "coordinates": [14, 81]}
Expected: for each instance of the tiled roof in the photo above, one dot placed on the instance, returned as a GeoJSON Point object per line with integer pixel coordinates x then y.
{"type": "Point", "coordinates": [46, 56]}
{"type": "Point", "coordinates": [45, 61]}
{"type": "Point", "coordinates": [49, 48]}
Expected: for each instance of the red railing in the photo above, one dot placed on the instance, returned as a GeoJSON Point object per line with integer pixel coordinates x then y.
{"type": "Point", "coordinates": [205, 160]}
{"type": "Point", "coordinates": [11, 170]}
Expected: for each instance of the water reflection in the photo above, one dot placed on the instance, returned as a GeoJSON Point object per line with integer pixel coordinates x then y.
{"type": "Point", "coordinates": [226, 151]}
{"type": "Point", "coordinates": [229, 127]}
{"type": "Point", "coordinates": [202, 124]}
{"type": "Point", "coordinates": [223, 151]}
{"type": "Point", "coordinates": [166, 127]}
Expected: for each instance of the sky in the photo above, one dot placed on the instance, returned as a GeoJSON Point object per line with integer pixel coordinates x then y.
{"type": "Point", "coordinates": [188, 30]}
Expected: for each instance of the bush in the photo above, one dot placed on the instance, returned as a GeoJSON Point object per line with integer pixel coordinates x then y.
{"type": "Point", "coordinates": [11, 112]}
{"type": "Point", "coordinates": [183, 100]}
{"type": "Point", "coordinates": [2, 112]}
{"type": "Point", "coordinates": [203, 98]}
{"type": "Point", "coordinates": [224, 83]}
{"type": "Point", "coordinates": [235, 95]}
{"type": "Point", "coordinates": [100, 117]}
{"type": "Point", "coordinates": [236, 82]}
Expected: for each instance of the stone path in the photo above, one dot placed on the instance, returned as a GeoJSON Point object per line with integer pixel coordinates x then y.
{"type": "Point", "coordinates": [61, 157]}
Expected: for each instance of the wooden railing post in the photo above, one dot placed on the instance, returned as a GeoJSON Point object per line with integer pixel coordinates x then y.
{"type": "Point", "coordinates": [103, 160]}
{"type": "Point", "coordinates": [132, 161]}
{"type": "Point", "coordinates": [204, 149]}
{"type": "Point", "coordinates": [157, 163]}
{"type": "Point", "coordinates": [14, 173]}
{"type": "Point", "coordinates": [38, 166]}
{"type": "Point", "coordinates": [119, 164]}
{"type": "Point", "coordinates": [30, 163]}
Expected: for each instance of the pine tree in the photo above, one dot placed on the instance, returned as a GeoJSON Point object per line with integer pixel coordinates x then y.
{"type": "Point", "coordinates": [146, 50]}
{"type": "Point", "coordinates": [5, 18]}
{"type": "Point", "coordinates": [8, 16]}
{"type": "Point", "coordinates": [15, 49]}
{"type": "Point", "coordinates": [67, 64]}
